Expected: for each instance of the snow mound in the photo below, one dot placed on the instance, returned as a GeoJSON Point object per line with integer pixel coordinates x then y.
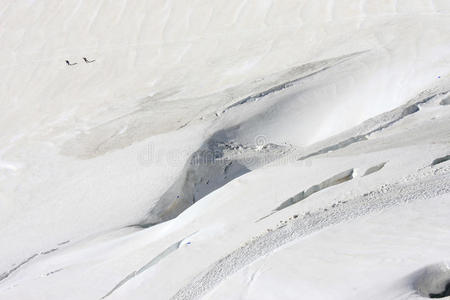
{"type": "Point", "coordinates": [433, 281]}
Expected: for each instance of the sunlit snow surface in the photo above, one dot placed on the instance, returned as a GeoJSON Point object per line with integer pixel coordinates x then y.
{"type": "Point", "coordinates": [224, 149]}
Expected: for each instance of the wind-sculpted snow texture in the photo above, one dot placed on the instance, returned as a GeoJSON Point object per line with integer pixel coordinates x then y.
{"type": "Point", "coordinates": [224, 149]}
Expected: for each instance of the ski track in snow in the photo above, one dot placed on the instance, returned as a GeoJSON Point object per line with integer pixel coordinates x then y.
{"type": "Point", "coordinates": [424, 185]}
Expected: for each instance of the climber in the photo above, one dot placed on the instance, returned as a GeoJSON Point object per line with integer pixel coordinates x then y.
{"type": "Point", "coordinates": [87, 60]}
{"type": "Point", "coordinates": [69, 64]}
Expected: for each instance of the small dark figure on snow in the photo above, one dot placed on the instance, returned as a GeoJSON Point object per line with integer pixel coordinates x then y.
{"type": "Point", "coordinates": [70, 64]}
{"type": "Point", "coordinates": [87, 60]}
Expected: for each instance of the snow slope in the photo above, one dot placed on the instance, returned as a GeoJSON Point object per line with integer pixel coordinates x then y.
{"type": "Point", "coordinates": [224, 149]}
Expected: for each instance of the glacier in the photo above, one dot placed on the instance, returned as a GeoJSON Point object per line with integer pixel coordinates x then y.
{"type": "Point", "coordinates": [294, 149]}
